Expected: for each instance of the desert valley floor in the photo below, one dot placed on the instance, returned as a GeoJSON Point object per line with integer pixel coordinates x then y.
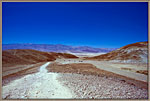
{"type": "Point", "coordinates": [75, 79]}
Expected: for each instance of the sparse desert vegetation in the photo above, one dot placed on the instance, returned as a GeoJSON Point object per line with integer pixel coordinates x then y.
{"type": "Point", "coordinates": [143, 72]}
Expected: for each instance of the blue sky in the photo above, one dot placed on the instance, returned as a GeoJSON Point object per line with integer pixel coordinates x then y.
{"type": "Point", "coordinates": [99, 24]}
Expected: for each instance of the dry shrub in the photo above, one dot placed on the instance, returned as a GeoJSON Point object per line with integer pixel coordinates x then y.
{"type": "Point", "coordinates": [127, 69]}
{"type": "Point", "coordinates": [143, 72]}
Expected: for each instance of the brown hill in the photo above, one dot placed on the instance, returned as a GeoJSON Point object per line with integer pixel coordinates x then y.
{"type": "Point", "coordinates": [132, 53]}
{"type": "Point", "coordinates": [28, 56]}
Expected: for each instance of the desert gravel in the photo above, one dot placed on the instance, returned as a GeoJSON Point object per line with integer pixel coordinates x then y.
{"type": "Point", "coordinates": [101, 87]}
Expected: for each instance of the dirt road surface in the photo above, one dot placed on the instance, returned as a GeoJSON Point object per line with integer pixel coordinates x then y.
{"type": "Point", "coordinates": [41, 85]}
{"type": "Point", "coordinates": [49, 85]}
{"type": "Point", "coordinates": [106, 66]}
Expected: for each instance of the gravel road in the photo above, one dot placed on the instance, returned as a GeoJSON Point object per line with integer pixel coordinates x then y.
{"type": "Point", "coordinates": [48, 85]}
{"type": "Point", "coordinates": [39, 85]}
{"type": "Point", "coordinates": [108, 67]}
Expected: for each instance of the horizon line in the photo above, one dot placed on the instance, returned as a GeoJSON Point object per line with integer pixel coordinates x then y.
{"type": "Point", "coordinates": [69, 44]}
{"type": "Point", "coordinates": [58, 44]}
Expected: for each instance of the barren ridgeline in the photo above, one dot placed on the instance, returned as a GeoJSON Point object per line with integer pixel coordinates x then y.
{"type": "Point", "coordinates": [31, 74]}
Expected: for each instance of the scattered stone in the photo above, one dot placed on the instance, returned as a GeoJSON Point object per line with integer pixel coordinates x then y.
{"type": "Point", "coordinates": [101, 87]}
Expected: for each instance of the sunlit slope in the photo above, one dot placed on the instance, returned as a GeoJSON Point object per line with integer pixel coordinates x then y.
{"type": "Point", "coordinates": [28, 56]}
{"type": "Point", "coordinates": [132, 53]}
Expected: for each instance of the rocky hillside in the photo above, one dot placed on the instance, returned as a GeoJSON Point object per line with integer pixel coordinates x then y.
{"type": "Point", "coordinates": [28, 56]}
{"type": "Point", "coordinates": [132, 53]}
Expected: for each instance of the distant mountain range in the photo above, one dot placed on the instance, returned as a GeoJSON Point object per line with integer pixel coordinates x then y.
{"type": "Point", "coordinates": [57, 48]}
